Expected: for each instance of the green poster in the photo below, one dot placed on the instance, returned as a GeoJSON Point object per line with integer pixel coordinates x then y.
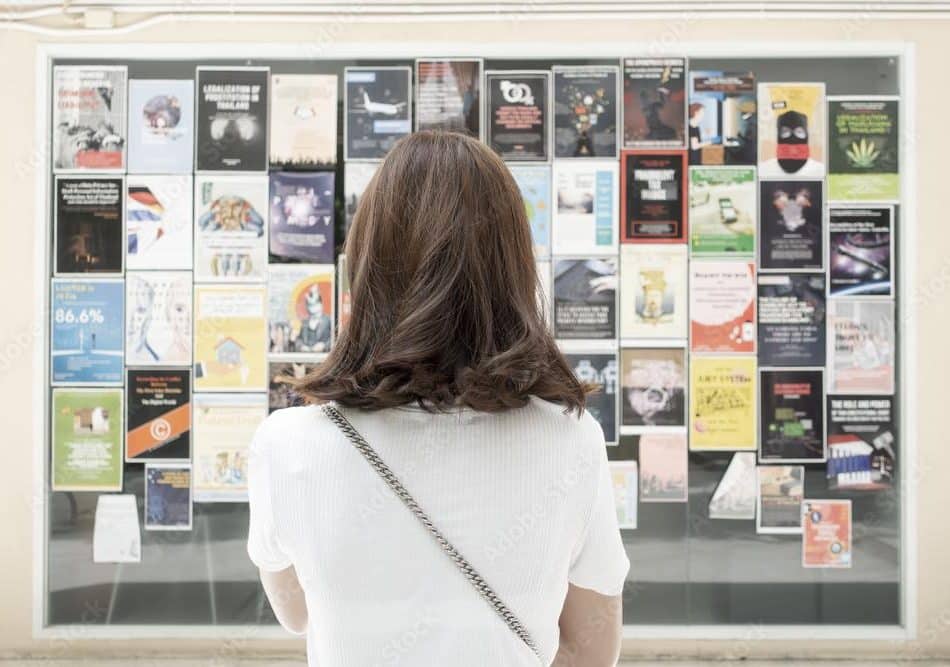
{"type": "Point", "coordinates": [722, 211]}
{"type": "Point", "coordinates": [863, 149]}
{"type": "Point", "coordinates": [87, 439]}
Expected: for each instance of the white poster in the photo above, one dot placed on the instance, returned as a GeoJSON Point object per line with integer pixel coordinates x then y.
{"type": "Point", "coordinates": [231, 228]}
{"type": "Point", "coordinates": [158, 222]}
{"type": "Point", "coordinates": [587, 207]}
{"type": "Point", "coordinates": [158, 318]}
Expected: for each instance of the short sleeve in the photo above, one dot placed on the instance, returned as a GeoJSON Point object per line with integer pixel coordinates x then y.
{"type": "Point", "coordinates": [263, 546]}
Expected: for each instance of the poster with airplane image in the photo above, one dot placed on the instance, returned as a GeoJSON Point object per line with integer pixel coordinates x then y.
{"type": "Point", "coordinates": [378, 110]}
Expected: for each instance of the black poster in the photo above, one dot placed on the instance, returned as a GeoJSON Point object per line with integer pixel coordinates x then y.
{"type": "Point", "coordinates": [654, 102]}
{"type": "Point", "coordinates": [159, 414]}
{"type": "Point", "coordinates": [861, 251]}
{"type": "Point", "coordinates": [89, 225]}
{"type": "Point", "coordinates": [585, 111]}
{"type": "Point", "coordinates": [231, 119]}
{"type": "Point", "coordinates": [791, 423]}
{"type": "Point", "coordinates": [790, 225]}
{"type": "Point", "coordinates": [585, 298]}
{"type": "Point", "coordinates": [378, 112]}
{"type": "Point", "coordinates": [792, 319]}
{"type": "Point", "coordinates": [449, 95]}
{"type": "Point", "coordinates": [654, 196]}
{"type": "Point", "coordinates": [518, 114]}
{"type": "Point", "coordinates": [862, 442]}
{"type": "Point", "coordinates": [653, 387]}
{"type": "Point", "coordinates": [600, 369]}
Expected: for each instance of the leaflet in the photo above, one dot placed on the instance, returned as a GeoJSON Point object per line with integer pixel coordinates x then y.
{"type": "Point", "coordinates": [168, 496]}
{"type": "Point", "coordinates": [826, 536]}
{"type": "Point", "coordinates": [862, 443]}
{"type": "Point", "coordinates": [116, 537]}
{"type": "Point", "coordinates": [735, 495]}
{"type": "Point", "coordinates": [625, 480]}
{"type": "Point", "coordinates": [224, 425]}
{"type": "Point", "coordinates": [356, 176]}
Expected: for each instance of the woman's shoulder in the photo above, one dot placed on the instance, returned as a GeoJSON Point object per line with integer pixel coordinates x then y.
{"type": "Point", "coordinates": [290, 424]}
{"type": "Point", "coordinates": [582, 429]}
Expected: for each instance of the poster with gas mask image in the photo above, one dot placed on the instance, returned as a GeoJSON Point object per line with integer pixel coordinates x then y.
{"type": "Point", "coordinates": [231, 119]}
{"type": "Point", "coordinates": [792, 130]}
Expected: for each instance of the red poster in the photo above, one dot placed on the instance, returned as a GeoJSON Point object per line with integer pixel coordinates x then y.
{"type": "Point", "coordinates": [826, 533]}
{"type": "Point", "coordinates": [722, 306]}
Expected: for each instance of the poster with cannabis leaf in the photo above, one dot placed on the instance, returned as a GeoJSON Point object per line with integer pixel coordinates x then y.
{"type": "Point", "coordinates": [864, 150]}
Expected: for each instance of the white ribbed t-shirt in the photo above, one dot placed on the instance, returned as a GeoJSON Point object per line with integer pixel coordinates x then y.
{"type": "Point", "coordinates": [525, 495]}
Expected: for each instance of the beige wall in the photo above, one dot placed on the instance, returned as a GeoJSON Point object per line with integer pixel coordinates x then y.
{"type": "Point", "coordinates": [17, 273]}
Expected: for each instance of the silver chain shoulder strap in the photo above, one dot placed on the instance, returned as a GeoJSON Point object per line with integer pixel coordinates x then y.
{"type": "Point", "coordinates": [474, 578]}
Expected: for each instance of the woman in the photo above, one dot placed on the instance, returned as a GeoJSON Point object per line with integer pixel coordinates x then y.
{"type": "Point", "coordinates": [448, 371]}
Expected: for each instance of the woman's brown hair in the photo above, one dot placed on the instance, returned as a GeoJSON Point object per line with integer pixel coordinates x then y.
{"type": "Point", "coordinates": [444, 290]}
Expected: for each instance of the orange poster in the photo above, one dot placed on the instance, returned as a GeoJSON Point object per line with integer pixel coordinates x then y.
{"type": "Point", "coordinates": [826, 533]}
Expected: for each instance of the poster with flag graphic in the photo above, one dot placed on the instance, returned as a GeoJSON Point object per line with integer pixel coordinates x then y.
{"type": "Point", "coordinates": [158, 229]}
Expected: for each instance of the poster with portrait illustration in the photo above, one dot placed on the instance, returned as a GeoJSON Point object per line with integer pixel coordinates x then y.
{"type": "Point", "coordinates": [158, 222]}
{"type": "Point", "coordinates": [231, 120]}
{"type": "Point", "coordinates": [302, 215]}
{"type": "Point", "coordinates": [792, 130]}
{"type": "Point", "coordinates": [89, 117]}
{"type": "Point", "coordinates": [231, 228]}
{"type": "Point", "coordinates": [585, 298]}
{"type": "Point", "coordinates": [518, 119]}
{"type": "Point", "coordinates": [161, 126]}
{"type": "Point", "coordinates": [721, 118]}
{"type": "Point", "coordinates": [449, 95]}
{"type": "Point", "coordinates": [377, 110]}
{"type": "Point", "coordinates": [653, 389]}
{"type": "Point", "coordinates": [300, 309]}
{"type": "Point", "coordinates": [586, 109]}
{"type": "Point", "coordinates": [791, 227]}
{"type": "Point", "coordinates": [283, 374]}
{"type": "Point", "coordinates": [654, 102]}
{"type": "Point", "coordinates": [158, 318]}
{"type": "Point", "coordinates": [653, 293]}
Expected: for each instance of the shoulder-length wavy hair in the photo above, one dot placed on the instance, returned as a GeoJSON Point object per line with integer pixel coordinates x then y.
{"type": "Point", "coordinates": [444, 290]}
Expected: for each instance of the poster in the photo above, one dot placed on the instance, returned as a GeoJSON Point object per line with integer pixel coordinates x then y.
{"type": "Point", "coordinates": [654, 102]}
{"type": "Point", "coordinates": [231, 120]}
{"type": "Point", "coordinates": [861, 251]}
{"type": "Point", "coordinates": [87, 318]}
{"type": "Point", "coordinates": [625, 480]}
{"type": "Point", "coordinates": [543, 269]}
{"type": "Point", "coordinates": [792, 130]}
{"type": "Point", "coordinates": [585, 298]}
{"type": "Point", "coordinates": [167, 496]}
{"type": "Point", "coordinates": [826, 533]}
{"type": "Point", "coordinates": [115, 533]}
{"type": "Point", "coordinates": [586, 108]}
{"type": "Point", "coordinates": [653, 196]}
{"type": "Point", "coordinates": [230, 228]}
{"type": "Point", "coordinates": [722, 297]}
{"type": "Point", "coordinates": [862, 443]}
{"type": "Point", "coordinates": [653, 291]}
{"type": "Point", "coordinates": [161, 126]}
{"type": "Point", "coordinates": [88, 225]}
{"type": "Point", "coordinates": [224, 425]}
{"type": "Point", "coordinates": [863, 149]}
{"type": "Point", "coordinates": [599, 369]}
{"type": "Point", "coordinates": [377, 110]}
{"type": "Point", "coordinates": [791, 226]}
{"type": "Point", "coordinates": [723, 212]}
{"type": "Point", "coordinates": [300, 308]}
{"type": "Point", "coordinates": [158, 222]}
{"type": "Point", "coordinates": [89, 117]}
{"type": "Point", "coordinates": [781, 492]}
{"type": "Point", "coordinates": [722, 119]}
{"type": "Point", "coordinates": [735, 495]}
{"type": "Point", "coordinates": [158, 318]}
{"type": "Point", "coordinates": [585, 219]}
{"type": "Point", "coordinates": [534, 181]}
{"type": "Point", "coordinates": [722, 403]}
{"type": "Point", "coordinates": [861, 346]}
{"type": "Point", "coordinates": [449, 95]}
{"type": "Point", "coordinates": [517, 116]}
{"type": "Point", "coordinates": [303, 121]}
{"type": "Point", "coordinates": [791, 319]}
{"type": "Point", "coordinates": [301, 216]}
{"type": "Point", "coordinates": [230, 338]}
{"type": "Point", "coordinates": [158, 401]}
{"type": "Point", "coordinates": [653, 381]}
{"type": "Point", "coordinates": [792, 419]}
{"type": "Point", "coordinates": [663, 468]}
{"type": "Point", "coordinates": [356, 176]}
{"type": "Point", "coordinates": [280, 391]}
{"type": "Point", "coordinates": [87, 434]}
{"type": "Point", "coordinates": [344, 298]}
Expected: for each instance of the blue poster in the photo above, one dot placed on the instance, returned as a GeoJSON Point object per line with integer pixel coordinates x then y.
{"type": "Point", "coordinates": [161, 126]}
{"type": "Point", "coordinates": [86, 331]}
{"type": "Point", "coordinates": [535, 185]}
{"type": "Point", "coordinates": [301, 216]}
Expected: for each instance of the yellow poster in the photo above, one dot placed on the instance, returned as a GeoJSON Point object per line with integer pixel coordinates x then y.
{"type": "Point", "coordinates": [230, 338]}
{"type": "Point", "coordinates": [224, 425]}
{"type": "Point", "coordinates": [722, 403]}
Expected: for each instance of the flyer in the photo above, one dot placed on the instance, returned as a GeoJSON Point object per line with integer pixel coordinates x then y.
{"type": "Point", "coordinates": [863, 149]}
{"type": "Point", "coordinates": [231, 119]}
{"type": "Point", "coordinates": [303, 121]}
{"type": "Point", "coordinates": [378, 110]}
{"type": "Point", "coordinates": [115, 533]}
{"type": "Point", "coordinates": [534, 181]}
{"type": "Point", "coordinates": [624, 476]}
{"type": "Point", "coordinates": [88, 225]}
{"type": "Point", "coordinates": [86, 336]}
{"type": "Point", "coordinates": [517, 115]}
{"type": "Point", "coordinates": [792, 419]}
{"type": "Point", "coordinates": [586, 107]}
{"type": "Point", "coordinates": [301, 215]}
{"type": "Point", "coordinates": [158, 318]}
{"type": "Point", "coordinates": [224, 425]}
{"type": "Point", "coordinates": [87, 439]}
{"type": "Point", "coordinates": [723, 123]}
{"type": "Point", "coordinates": [861, 250]}
{"type": "Point", "coordinates": [158, 425]}
{"type": "Point", "coordinates": [344, 299]}
{"type": "Point", "coordinates": [585, 298]}
{"type": "Point", "coordinates": [722, 403]}
{"type": "Point", "coordinates": [792, 130]}
{"type": "Point", "coordinates": [862, 443]}
{"type": "Point", "coordinates": [356, 176]}
{"type": "Point", "coordinates": [161, 126]}
{"type": "Point", "coordinates": [449, 95]}
{"type": "Point", "coordinates": [722, 299]}
{"type": "Point", "coordinates": [735, 495]}
{"type": "Point", "coordinates": [230, 228]}
{"type": "Point", "coordinates": [791, 319]}
{"type": "Point", "coordinates": [861, 346]}
{"type": "Point", "coordinates": [664, 462]}
{"type": "Point", "coordinates": [826, 533]}
{"type": "Point", "coordinates": [781, 492]}
{"type": "Point", "coordinates": [300, 308]}
{"type": "Point", "coordinates": [791, 226]}
{"type": "Point", "coordinates": [168, 496]}
{"type": "Point", "coordinates": [723, 214]}
{"type": "Point", "coordinates": [280, 391]}
{"type": "Point", "coordinates": [230, 338]}
{"type": "Point", "coordinates": [89, 117]}
{"type": "Point", "coordinates": [653, 385]}
{"type": "Point", "coordinates": [653, 196]}
{"type": "Point", "coordinates": [654, 102]}
{"type": "Point", "coordinates": [653, 291]}
{"type": "Point", "coordinates": [158, 222]}
{"type": "Point", "coordinates": [585, 219]}
{"type": "Point", "coordinates": [600, 369]}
